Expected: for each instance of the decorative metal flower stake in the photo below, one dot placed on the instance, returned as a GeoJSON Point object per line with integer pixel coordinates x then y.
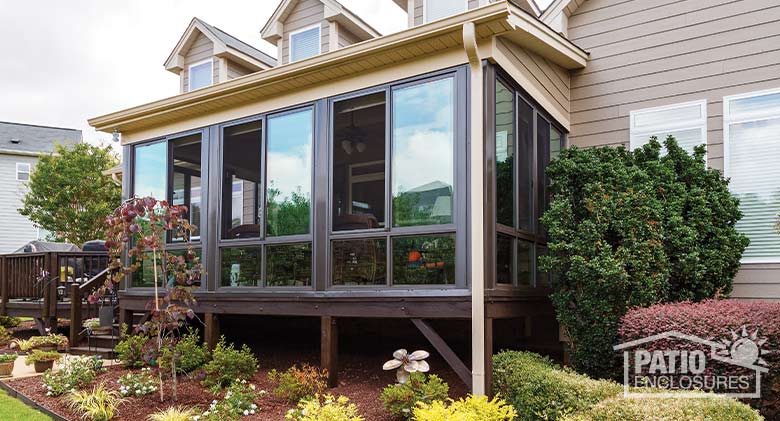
{"type": "Point", "coordinates": [405, 364]}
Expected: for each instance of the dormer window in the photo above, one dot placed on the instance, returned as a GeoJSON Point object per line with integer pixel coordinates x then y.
{"type": "Point", "coordinates": [305, 43]}
{"type": "Point", "coordinates": [440, 9]}
{"type": "Point", "coordinates": [201, 74]}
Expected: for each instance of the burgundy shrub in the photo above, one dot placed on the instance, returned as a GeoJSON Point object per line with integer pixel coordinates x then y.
{"type": "Point", "coordinates": [715, 320]}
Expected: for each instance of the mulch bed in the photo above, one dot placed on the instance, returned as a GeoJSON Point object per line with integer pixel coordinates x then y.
{"type": "Point", "coordinates": [361, 379]}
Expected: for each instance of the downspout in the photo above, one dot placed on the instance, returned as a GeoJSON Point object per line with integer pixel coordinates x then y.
{"type": "Point", "coordinates": [476, 211]}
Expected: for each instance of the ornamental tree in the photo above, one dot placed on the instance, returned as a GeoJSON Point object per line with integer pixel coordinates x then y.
{"type": "Point", "coordinates": [632, 229]}
{"type": "Point", "coordinates": [139, 229]}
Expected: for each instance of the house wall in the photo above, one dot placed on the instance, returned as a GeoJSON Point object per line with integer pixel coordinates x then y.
{"type": "Point", "coordinates": [648, 53]}
{"type": "Point", "coordinates": [345, 37]}
{"type": "Point", "coordinates": [305, 14]}
{"type": "Point", "coordinates": [235, 70]}
{"type": "Point", "coordinates": [201, 49]}
{"type": "Point", "coordinates": [16, 229]}
{"type": "Point", "coordinates": [419, 4]}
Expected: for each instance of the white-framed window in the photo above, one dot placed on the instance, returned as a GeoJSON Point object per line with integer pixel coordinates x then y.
{"type": "Point", "coordinates": [687, 122]}
{"type": "Point", "coordinates": [440, 9]}
{"type": "Point", "coordinates": [201, 74]}
{"type": "Point", "coordinates": [305, 43]}
{"type": "Point", "coordinates": [22, 171]}
{"type": "Point", "coordinates": [751, 155]}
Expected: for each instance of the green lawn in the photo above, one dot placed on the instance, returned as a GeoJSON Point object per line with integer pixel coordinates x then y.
{"type": "Point", "coordinates": [13, 410]}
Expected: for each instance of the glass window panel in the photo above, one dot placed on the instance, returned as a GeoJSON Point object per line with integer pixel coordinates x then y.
{"type": "Point", "coordinates": [686, 122]}
{"type": "Point", "coordinates": [241, 176]}
{"type": "Point", "coordinates": [525, 179]}
{"type": "Point", "coordinates": [505, 156]}
{"type": "Point", "coordinates": [687, 139]}
{"type": "Point", "coordinates": [525, 263]}
{"type": "Point", "coordinates": [543, 151]}
{"type": "Point", "coordinates": [753, 155]}
{"type": "Point", "coordinates": [201, 75]}
{"type": "Point", "coordinates": [186, 154]}
{"type": "Point", "coordinates": [423, 158]}
{"type": "Point", "coordinates": [439, 9]}
{"type": "Point", "coordinates": [241, 267]}
{"type": "Point", "coordinates": [667, 117]}
{"type": "Point", "coordinates": [150, 170]}
{"type": "Point", "coordinates": [556, 143]}
{"type": "Point", "coordinates": [504, 263]}
{"type": "Point", "coordinates": [359, 262]}
{"type": "Point", "coordinates": [305, 44]}
{"type": "Point", "coordinates": [288, 265]}
{"type": "Point", "coordinates": [289, 164]}
{"type": "Point", "coordinates": [359, 163]}
{"type": "Point", "coordinates": [424, 260]}
{"type": "Point", "coordinates": [542, 278]}
{"type": "Point", "coordinates": [144, 276]}
{"type": "Point", "coordinates": [759, 104]}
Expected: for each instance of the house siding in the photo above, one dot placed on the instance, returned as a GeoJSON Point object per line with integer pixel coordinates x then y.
{"type": "Point", "coordinates": [235, 70]}
{"type": "Point", "coordinates": [202, 48]}
{"type": "Point", "coordinates": [17, 230]}
{"type": "Point", "coordinates": [346, 38]}
{"type": "Point", "coordinates": [419, 16]}
{"type": "Point", "coordinates": [305, 14]}
{"type": "Point", "coordinates": [648, 53]}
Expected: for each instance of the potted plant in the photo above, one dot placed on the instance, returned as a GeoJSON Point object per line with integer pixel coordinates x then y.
{"type": "Point", "coordinates": [7, 364]}
{"type": "Point", "coordinates": [94, 326]}
{"type": "Point", "coordinates": [42, 360]}
{"type": "Point", "coordinates": [49, 342]}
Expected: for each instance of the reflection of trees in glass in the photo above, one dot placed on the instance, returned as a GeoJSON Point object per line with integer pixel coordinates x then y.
{"type": "Point", "coordinates": [360, 262]}
{"type": "Point", "coordinates": [504, 188]}
{"type": "Point", "coordinates": [427, 205]}
{"type": "Point", "coordinates": [289, 216]}
{"type": "Point", "coordinates": [288, 265]}
{"type": "Point", "coordinates": [241, 267]}
{"type": "Point", "coordinates": [425, 260]}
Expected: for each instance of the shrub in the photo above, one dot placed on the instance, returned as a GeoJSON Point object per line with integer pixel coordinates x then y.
{"type": "Point", "coordinates": [400, 399]}
{"type": "Point", "coordinates": [298, 383]}
{"type": "Point", "coordinates": [130, 349]}
{"type": "Point", "coordinates": [632, 229]}
{"type": "Point", "coordinates": [40, 356]}
{"type": "Point", "coordinates": [137, 384]}
{"type": "Point", "coordinates": [619, 409]}
{"type": "Point", "coordinates": [58, 341]}
{"type": "Point", "coordinates": [189, 353]}
{"type": "Point", "coordinates": [539, 389]}
{"type": "Point", "coordinates": [74, 372]}
{"type": "Point", "coordinates": [471, 408]}
{"type": "Point", "coordinates": [239, 400]}
{"type": "Point", "coordinates": [7, 358]}
{"type": "Point", "coordinates": [325, 408]}
{"type": "Point", "coordinates": [715, 319]}
{"type": "Point", "coordinates": [9, 321]}
{"type": "Point", "coordinates": [99, 404]}
{"type": "Point", "coordinates": [5, 336]}
{"type": "Point", "coordinates": [173, 414]}
{"type": "Point", "coordinates": [228, 364]}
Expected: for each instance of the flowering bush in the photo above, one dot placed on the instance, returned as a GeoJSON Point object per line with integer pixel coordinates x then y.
{"type": "Point", "coordinates": [325, 408]}
{"type": "Point", "coordinates": [74, 372]}
{"type": "Point", "coordinates": [239, 401]}
{"type": "Point", "coordinates": [298, 383]}
{"type": "Point", "coordinates": [400, 399]}
{"type": "Point", "coordinates": [137, 384]}
{"type": "Point", "coordinates": [58, 341]}
{"type": "Point", "coordinates": [227, 364]}
{"type": "Point", "coordinates": [471, 408]}
{"type": "Point", "coordinates": [729, 320]}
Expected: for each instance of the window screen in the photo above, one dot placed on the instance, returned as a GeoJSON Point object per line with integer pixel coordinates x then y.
{"type": "Point", "coordinates": [200, 75]}
{"type": "Point", "coordinates": [686, 122]}
{"type": "Point", "coordinates": [440, 9]}
{"type": "Point", "coordinates": [304, 44]}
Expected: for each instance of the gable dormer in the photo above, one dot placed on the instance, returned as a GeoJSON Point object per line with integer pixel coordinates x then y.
{"type": "Point", "coordinates": [206, 55]}
{"type": "Point", "coordinates": [425, 11]}
{"type": "Point", "coordinates": [301, 29]}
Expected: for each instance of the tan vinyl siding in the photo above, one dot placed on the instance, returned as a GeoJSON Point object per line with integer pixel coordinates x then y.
{"type": "Point", "coordinates": [544, 77]}
{"type": "Point", "coordinates": [418, 12]}
{"type": "Point", "coordinates": [305, 14]}
{"type": "Point", "coordinates": [346, 38]}
{"type": "Point", "coordinates": [648, 53]}
{"type": "Point", "coordinates": [235, 70]}
{"type": "Point", "coordinates": [17, 230]}
{"type": "Point", "coordinates": [201, 49]}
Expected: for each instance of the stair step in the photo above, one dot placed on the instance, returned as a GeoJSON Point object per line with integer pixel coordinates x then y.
{"type": "Point", "coordinates": [85, 350]}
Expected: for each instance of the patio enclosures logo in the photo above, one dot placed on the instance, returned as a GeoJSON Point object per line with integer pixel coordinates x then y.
{"type": "Point", "coordinates": [672, 361]}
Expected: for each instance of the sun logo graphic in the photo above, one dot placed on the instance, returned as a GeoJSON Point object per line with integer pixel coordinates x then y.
{"type": "Point", "coordinates": [731, 366]}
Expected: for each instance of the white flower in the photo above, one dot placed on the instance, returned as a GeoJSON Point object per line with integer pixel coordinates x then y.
{"type": "Point", "coordinates": [196, 418]}
{"type": "Point", "coordinates": [253, 406]}
{"type": "Point", "coordinates": [246, 412]}
{"type": "Point", "coordinates": [252, 411]}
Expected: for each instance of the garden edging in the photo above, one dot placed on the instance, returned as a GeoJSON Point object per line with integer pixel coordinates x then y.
{"type": "Point", "coordinates": [29, 402]}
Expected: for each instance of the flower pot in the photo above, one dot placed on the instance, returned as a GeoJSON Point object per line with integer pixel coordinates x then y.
{"type": "Point", "coordinates": [41, 366]}
{"type": "Point", "coordinates": [47, 348]}
{"type": "Point", "coordinates": [101, 330]}
{"type": "Point", "coordinates": [6, 368]}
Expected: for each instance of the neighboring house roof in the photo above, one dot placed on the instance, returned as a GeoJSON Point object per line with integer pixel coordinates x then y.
{"type": "Point", "coordinates": [334, 11]}
{"type": "Point", "coordinates": [34, 139]}
{"type": "Point", "coordinates": [225, 45]}
{"type": "Point", "coordinates": [560, 6]}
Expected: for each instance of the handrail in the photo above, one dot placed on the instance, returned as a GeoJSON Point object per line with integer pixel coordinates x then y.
{"type": "Point", "coordinates": [77, 294]}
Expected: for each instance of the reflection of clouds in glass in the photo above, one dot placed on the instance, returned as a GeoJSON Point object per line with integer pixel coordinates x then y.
{"type": "Point", "coordinates": [421, 157]}
{"type": "Point", "coordinates": [290, 171]}
{"type": "Point", "coordinates": [150, 174]}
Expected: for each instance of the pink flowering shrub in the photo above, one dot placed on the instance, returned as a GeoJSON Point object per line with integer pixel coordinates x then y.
{"type": "Point", "coordinates": [723, 321]}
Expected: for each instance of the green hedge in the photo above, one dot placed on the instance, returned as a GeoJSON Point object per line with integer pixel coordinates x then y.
{"type": "Point", "coordinates": [541, 390]}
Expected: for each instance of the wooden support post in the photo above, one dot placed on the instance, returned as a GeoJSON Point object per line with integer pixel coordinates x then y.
{"type": "Point", "coordinates": [445, 351]}
{"type": "Point", "coordinates": [329, 349]}
{"type": "Point", "coordinates": [54, 281]}
{"type": "Point", "coordinates": [489, 356]}
{"type": "Point", "coordinates": [211, 334]}
{"type": "Point", "coordinates": [75, 315]}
